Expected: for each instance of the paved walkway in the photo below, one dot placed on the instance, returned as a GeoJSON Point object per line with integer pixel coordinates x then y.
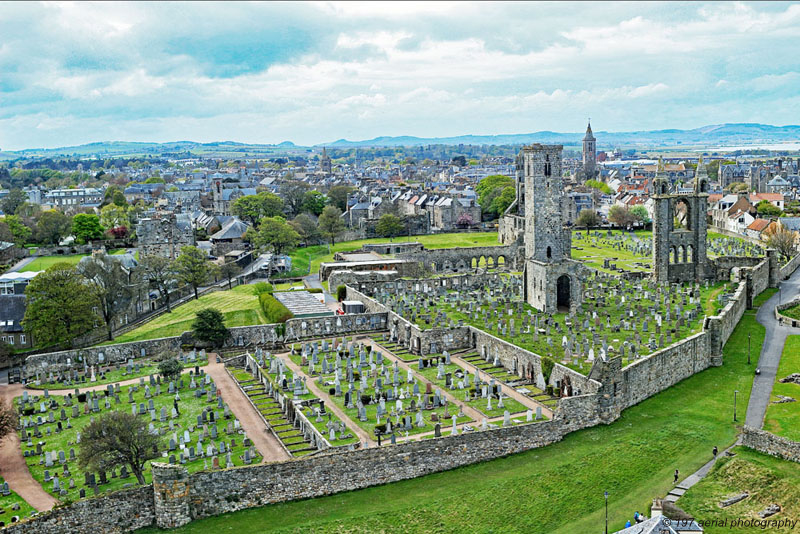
{"type": "Point", "coordinates": [263, 440]}
{"type": "Point", "coordinates": [678, 491]}
{"type": "Point", "coordinates": [12, 464]}
{"type": "Point", "coordinates": [21, 263]}
{"type": "Point", "coordinates": [771, 351]}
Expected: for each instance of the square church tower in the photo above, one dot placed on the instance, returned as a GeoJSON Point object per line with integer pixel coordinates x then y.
{"type": "Point", "coordinates": [552, 280]}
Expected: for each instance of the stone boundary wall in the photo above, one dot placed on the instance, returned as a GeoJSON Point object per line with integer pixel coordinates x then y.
{"type": "Point", "coordinates": [267, 335]}
{"type": "Point", "coordinates": [664, 368]}
{"type": "Point", "coordinates": [769, 443]}
{"type": "Point", "coordinates": [460, 259]}
{"type": "Point", "coordinates": [118, 512]}
{"type": "Point", "coordinates": [526, 363]}
{"type": "Point", "coordinates": [728, 233]}
{"type": "Point", "coordinates": [783, 319]}
{"type": "Point", "coordinates": [787, 270]}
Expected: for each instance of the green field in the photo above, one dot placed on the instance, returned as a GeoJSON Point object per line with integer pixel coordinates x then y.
{"type": "Point", "coordinates": [767, 479]}
{"type": "Point", "coordinates": [239, 306]}
{"type": "Point", "coordinates": [45, 262]}
{"type": "Point", "coordinates": [556, 489]}
{"type": "Point", "coordinates": [312, 256]}
{"type": "Point", "coordinates": [784, 419]}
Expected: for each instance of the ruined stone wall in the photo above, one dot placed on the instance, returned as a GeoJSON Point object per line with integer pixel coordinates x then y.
{"type": "Point", "coordinates": [461, 259]}
{"type": "Point", "coordinates": [665, 368]}
{"type": "Point", "coordinates": [357, 278]}
{"type": "Point", "coordinates": [244, 337]}
{"type": "Point", "coordinates": [769, 443]}
{"type": "Point", "coordinates": [118, 512]}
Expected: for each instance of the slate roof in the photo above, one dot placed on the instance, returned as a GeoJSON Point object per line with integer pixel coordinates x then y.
{"type": "Point", "coordinates": [12, 310]}
{"type": "Point", "coordinates": [232, 229]}
{"type": "Point", "coordinates": [662, 525]}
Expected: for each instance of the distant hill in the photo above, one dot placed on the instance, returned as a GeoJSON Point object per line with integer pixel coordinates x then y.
{"type": "Point", "coordinates": [706, 136]}
{"type": "Point", "coordinates": [715, 134]}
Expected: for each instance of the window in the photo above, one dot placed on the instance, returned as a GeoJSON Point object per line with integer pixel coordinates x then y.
{"type": "Point", "coordinates": [10, 340]}
{"type": "Point", "coordinates": [22, 339]}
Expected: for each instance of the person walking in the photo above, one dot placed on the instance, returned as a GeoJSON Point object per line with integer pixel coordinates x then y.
{"type": "Point", "coordinates": [676, 476]}
{"type": "Point", "coordinates": [715, 451]}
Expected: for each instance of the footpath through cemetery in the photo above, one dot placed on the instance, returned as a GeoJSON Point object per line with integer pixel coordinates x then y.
{"type": "Point", "coordinates": [450, 367]}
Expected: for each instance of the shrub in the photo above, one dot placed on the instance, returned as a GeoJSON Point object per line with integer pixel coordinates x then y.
{"type": "Point", "coordinates": [262, 287]}
{"type": "Point", "coordinates": [341, 293]}
{"type": "Point", "coordinates": [274, 311]}
{"type": "Point", "coordinates": [315, 290]}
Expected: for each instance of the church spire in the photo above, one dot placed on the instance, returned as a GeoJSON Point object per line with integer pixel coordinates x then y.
{"type": "Point", "coordinates": [589, 135]}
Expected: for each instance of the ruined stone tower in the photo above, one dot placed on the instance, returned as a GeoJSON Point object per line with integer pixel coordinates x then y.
{"type": "Point", "coordinates": [680, 226]}
{"type": "Point", "coordinates": [552, 281]}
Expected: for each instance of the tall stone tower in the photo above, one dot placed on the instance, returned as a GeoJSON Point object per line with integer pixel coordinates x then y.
{"type": "Point", "coordinates": [552, 281]}
{"type": "Point", "coordinates": [325, 162]}
{"type": "Point", "coordinates": [680, 226]}
{"type": "Point", "coordinates": [589, 153]}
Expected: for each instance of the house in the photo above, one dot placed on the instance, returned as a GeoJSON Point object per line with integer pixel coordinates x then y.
{"type": "Point", "coordinates": [758, 227]}
{"type": "Point", "coordinates": [663, 525]}
{"type": "Point", "coordinates": [12, 311]}
{"type": "Point", "coordinates": [14, 283]}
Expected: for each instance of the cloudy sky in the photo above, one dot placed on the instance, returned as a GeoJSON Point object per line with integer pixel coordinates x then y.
{"type": "Point", "coordinates": [73, 73]}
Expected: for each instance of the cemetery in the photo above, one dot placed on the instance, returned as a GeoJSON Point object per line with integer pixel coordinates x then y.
{"type": "Point", "coordinates": [200, 434]}
{"type": "Point", "coordinates": [12, 506]}
{"type": "Point", "coordinates": [783, 412]}
{"type": "Point", "coordinates": [98, 375]}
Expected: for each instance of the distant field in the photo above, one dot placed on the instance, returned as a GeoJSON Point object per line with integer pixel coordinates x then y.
{"type": "Point", "coordinates": [239, 306]}
{"type": "Point", "coordinates": [45, 262]}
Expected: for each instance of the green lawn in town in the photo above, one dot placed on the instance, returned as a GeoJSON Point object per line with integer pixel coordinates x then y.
{"type": "Point", "coordinates": [239, 306]}
{"type": "Point", "coordinates": [768, 480]}
{"type": "Point", "coordinates": [784, 419]}
{"type": "Point", "coordinates": [555, 489]}
{"type": "Point", "coordinates": [45, 262]}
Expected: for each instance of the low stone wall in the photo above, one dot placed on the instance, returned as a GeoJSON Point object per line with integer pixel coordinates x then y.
{"type": "Point", "coordinates": [268, 336]}
{"type": "Point", "coordinates": [118, 512]}
{"type": "Point", "coordinates": [461, 259]}
{"type": "Point", "coordinates": [787, 270]}
{"type": "Point", "coordinates": [769, 443]}
{"type": "Point", "coordinates": [784, 319]}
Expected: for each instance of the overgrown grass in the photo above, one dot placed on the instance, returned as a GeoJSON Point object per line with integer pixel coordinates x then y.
{"type": "Point", "coordinates": [768, 480]}
{"type": "Point", "coordinates": [556, 489]}
{"type": "Point", "coordinates": [784, 419]}
{"type": "Point", "coordinates": [239, 306]}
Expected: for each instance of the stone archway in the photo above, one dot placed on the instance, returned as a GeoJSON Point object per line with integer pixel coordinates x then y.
{"type": "Point", "coordinates": [563, 296]}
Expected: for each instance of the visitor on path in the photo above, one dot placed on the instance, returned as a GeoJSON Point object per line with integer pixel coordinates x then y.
{"type": "Point", "coordinates": [638, 517]}
{"type": "Point", "coordinates": [715, 452]}
{"type": "Point", "coordinates": [676, 476]}
{"type": "Point", "coordinates": [628, 523]}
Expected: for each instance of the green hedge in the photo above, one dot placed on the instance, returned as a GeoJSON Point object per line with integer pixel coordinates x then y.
{"type": "Point", "coordinates": [274, 311]}
{"type": "Point", "coordinates": [262, 287]}
{"type": "Point", "coordinates": [315, 290]}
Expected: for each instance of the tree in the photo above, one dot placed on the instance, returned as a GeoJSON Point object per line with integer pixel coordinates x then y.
{"type": "Point", "coordinates": [112, 216]}
{"type": "Point", "coordinates": [492, 187]}
{"type": "Point", "coordinates": [735, 187]}
{"type": "Point", "coordinates": [20, 232]}
{"type": "Point", "coordinates": [331, 224]}
{"type": "Point", "coordinates": [465, 220]}
{"type": "Point", "coordinates": [253, 208]}
{"type": "Point", "coordinates": [52, 226]}
{"type": "Point", "coordinates": [640, 214]}
{"type": "Point", "coordinates": [306, 225]}
{"type": "Point", "coordinates": [161, 274]}
{"type": "Point", "coordinates": [337, 196]}
{"type": "Point", "coordinates": [8, 420]}
{"type": "Point", "coordinates": [59, 306]}
{"type": "Point", "coordinates": [15, 198]}
{"type": "Point", "coordinates": [192, 267]}
{"type": "Point", "coordinates": [119, 198]}
{"type": "Point", "coordinates": [86, 227]}
{"type": "Point", "coordinates": [170, 369]}
{"type": "Point", "coordinates": [620, 215]}
{"type": "Point", "coordinates": [155, 180]}
{"type": "Point", "coordinates": [111, 283]}
{"type": "Point", "coordinates": [782, 239]}
{"type": "Point", "coordinates": [275, 234]}
{"type": "Point", "coordinates": [766, 209]}
{"type": "Point", "coordinates": [293, 193]}
{"type": "Point", "coordinates": [588, 218]}
{"type": "Point", "coordinates": [229, 271]}
{"type": "Point", "coordinates": [313, 202]}
{"type": "Point", "coordinates": [389, 226]}
{"type": "Point", "coordinates": [600, 186]}
{"type": "Point", "coordinates": [209, 327]}
{"type": "Point", "coordinates": [117, 439]}
{"type": "Point", "coordinates": [5, 233]}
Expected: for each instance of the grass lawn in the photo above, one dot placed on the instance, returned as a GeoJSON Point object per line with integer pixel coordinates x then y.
{"type": "Point", "coordinates": [8, 501]}
{"type": "Point", "coordinates": [633, 252]}
{"type": "Point", "coordinates": [239, 306]}
{"type": "Point", "coordinates": [44, 262]}
{"type": "Point", "coordinates": [190, 408]}
{"type": "Point", "coordinates": [303, 258]}
{"type": "Point", "coordinates": [793, 312]}
{"type": "Point", "coordinates": [555, 489]}
{"type": "Point", "coordinates": [768, 480]}
{"type": "Point", "coordinates": [784, 419]}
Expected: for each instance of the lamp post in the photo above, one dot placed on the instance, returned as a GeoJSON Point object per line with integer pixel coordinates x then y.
{"type": "Point", "coordinates": [748, 349]}
{"type": "Point", "coordinates": [735, 391]}
{"type": "Point", "coordinates": [606, 496]}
